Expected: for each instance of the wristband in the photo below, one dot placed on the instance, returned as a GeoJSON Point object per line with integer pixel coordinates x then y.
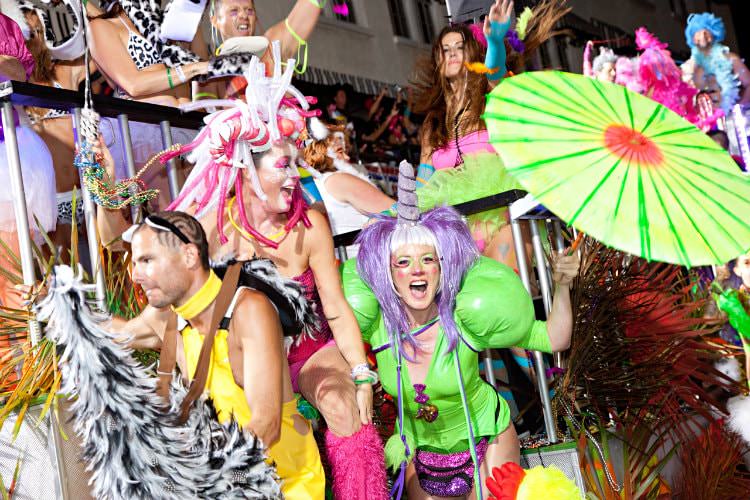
{"type": "Point", "coordinates": [318, 3]}
{"type": "Point", "coordinates": [367, 380]}
{"type": "Point", "coordinates": [364, 369]}
{"type": "Point", "coordinates": [209, 95]}
{"type": "Point", "coordinates": [180, 74]}
{"type": "Point", "coordinates": [495, 57]}
{"type": "Point", "coordinates": [169, 78]}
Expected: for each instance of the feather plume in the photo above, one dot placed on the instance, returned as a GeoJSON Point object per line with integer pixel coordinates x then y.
{"type": "Point", "coordinates": [522, 22]}
{"type": "Point", "coordinates": [739, 416]}
{"type": "Point", "coordinates": [131, 441]}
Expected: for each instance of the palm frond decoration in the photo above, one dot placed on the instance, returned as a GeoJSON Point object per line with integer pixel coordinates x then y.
{"type": "Point", "coordinates": [29, 374]}
{"type": "Point", "coordinates": [640, 341]}
{"type": "Point", "coordinates": [643, 459]}
{"type": "Point", "coordinates": [712, 466]}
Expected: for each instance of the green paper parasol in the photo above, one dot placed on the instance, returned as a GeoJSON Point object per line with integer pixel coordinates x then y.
{"type": "Point", "coordinates": [621, 167]}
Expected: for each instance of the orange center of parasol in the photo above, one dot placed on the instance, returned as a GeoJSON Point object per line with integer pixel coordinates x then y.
{"type": "Point", "coordinates": [632, 145]}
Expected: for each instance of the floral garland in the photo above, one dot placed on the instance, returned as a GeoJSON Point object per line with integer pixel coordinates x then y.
{"type": "Point", "coordinates": [717, 63]}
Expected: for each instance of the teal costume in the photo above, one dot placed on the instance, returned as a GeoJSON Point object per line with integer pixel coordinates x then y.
{"type": "Point", "coordinates": [493, 310]}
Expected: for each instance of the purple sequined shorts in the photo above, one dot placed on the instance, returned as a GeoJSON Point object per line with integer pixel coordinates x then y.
{"type": "Point", "coordinates": [448, 474]}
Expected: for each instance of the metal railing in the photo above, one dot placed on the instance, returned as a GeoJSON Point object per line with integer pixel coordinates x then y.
{"type": "Point", "coordinates": [40, 96]}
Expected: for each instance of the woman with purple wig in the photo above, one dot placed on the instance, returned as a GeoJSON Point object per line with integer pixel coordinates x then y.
{"type": "Point", "coordinates": [428, 303]}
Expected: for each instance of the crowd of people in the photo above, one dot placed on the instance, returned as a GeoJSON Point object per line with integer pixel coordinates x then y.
{"type": "Point", "coordinates": [246, 298]}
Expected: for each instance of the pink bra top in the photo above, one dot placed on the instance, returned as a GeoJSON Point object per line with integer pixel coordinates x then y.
{"type": "Point", "coordinates": [475, 142]}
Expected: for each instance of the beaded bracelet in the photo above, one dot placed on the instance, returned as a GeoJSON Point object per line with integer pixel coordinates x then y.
{"type": "Point", "coordinates": [364, 369]}
{"type": "Point", "coordinates": [367, 380]}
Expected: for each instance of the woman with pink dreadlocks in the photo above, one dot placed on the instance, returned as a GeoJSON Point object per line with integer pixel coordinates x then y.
{"type": "Point", "coordinates": [245, 191]}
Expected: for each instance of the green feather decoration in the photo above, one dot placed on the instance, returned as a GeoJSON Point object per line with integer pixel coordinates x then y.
{"type": "Point", "coordinates": [395, 452]}
{"type": "Point", "coordinates": [523, 22]}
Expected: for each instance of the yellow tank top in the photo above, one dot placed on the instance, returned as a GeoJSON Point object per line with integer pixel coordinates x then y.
{"type": "Point", "coordinates": [295, 455]}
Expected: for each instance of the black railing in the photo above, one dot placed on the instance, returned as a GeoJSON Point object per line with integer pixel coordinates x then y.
{"type": "Point", "coordinates": [42, 96]}
{"type": "Point", "coordinates": [470, 207]}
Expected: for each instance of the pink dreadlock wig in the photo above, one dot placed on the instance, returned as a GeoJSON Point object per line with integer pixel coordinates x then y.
{"type": "Point", "coordinates": [274, 111]}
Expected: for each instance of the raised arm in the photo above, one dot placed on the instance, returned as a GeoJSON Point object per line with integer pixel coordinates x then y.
{"type": "Point", "coordinates": [302, 20]}
{"type": "Point", "coordinates": [496, 25]}
{"type": "Point", "coordinates": [110, 223]}
{"type": "Point", "coordinates": [256, 323]}
{"type": "Point", "coordinates": [358, 193]}
{"type": "Point", "coordinates": [560, 320]}
{"type": "Point", "coordinates": [588, 69]}
{"type": "Point", "coordinates": [383, 126]}
{"type": "Point", "coordinates": [335, 307]}
{"type": "Point", "coordinates": [112, 58]}
{"type": "Point", "coordinates": [376, 104]}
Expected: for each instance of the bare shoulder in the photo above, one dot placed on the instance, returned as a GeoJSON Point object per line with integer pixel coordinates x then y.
{"type": "Point", "coordinates": [318, 222]}
{"type": "Point", "coordinates": [253, 313]}
{"type": "Point", "coordinates": [344, 180]}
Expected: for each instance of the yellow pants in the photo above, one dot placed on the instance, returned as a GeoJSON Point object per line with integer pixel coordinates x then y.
{"type": "Point", "coordinates": [297, 459]}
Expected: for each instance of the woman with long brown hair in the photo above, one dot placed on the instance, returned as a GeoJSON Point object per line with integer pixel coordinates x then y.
{"type": "Point", "coordinates": [450, 90]}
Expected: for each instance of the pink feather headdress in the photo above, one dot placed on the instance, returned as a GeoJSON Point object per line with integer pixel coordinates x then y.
{"type": "Point", "coordinates": [274, 110]}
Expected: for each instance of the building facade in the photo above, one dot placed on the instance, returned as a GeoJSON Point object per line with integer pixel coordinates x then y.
{"type": "Point", "coordinates": [381, 40]}
{"type": "Point", "coordinates": [377, 44]}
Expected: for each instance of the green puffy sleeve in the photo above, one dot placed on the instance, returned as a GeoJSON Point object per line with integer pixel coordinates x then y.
{"type": "Point", "coordinates": [495, 311]}
{"type": "Point", "coordinates": [361, 299]}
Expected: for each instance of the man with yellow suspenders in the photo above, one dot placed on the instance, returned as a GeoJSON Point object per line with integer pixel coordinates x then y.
{"type": "Point", "coordinates": [243, 365]}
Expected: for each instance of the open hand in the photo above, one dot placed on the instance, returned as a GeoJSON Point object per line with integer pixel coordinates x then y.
{"type": "Point", "coordinates": [500, 12]}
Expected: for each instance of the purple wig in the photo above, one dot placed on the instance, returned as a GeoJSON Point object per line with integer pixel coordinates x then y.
{"type": "Point", "coordinates": [455, 249]}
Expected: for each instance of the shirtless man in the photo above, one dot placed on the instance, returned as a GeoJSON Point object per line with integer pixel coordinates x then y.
{"type": "Point", "coordinates": [249, 374]}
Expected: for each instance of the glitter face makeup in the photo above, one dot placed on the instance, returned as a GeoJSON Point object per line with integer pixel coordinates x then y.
{"type": "Point", "coordinates": [415, 270]}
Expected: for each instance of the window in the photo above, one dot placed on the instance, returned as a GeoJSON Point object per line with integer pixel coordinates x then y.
{"type": "Point", "coordinates": [398, 18]}
{"type": "Point", "coordinates": [425, 21]}
{"type": "Point", "coordinates": [350, 18]}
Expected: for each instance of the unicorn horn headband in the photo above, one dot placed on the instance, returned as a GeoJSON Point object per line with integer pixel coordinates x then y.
{"type": "Point", "coordinates": [407, 208]}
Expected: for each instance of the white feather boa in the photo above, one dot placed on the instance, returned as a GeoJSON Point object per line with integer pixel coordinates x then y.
{"type": "Point", "coordinates": [130, 438]}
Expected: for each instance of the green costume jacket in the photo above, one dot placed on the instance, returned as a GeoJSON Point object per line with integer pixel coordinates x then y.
{"type": "Point", "coordinates": [493, 310]}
